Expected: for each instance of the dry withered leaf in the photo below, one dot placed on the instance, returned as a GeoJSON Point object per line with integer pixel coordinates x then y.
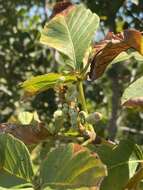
{"type": "Point", "coordinates": [27, 133]}
{"type": "Point", "coordinates": [112, 46]}
{"type": "Point", "coordinates": [62, 7]}
{"type": "Point", "coordinates": [134, 102]}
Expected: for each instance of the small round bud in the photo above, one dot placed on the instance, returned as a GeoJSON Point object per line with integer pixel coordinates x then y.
{"type": "Point", "coordinates": [65, 105]}
{"type": "Point", "coordinates": [82, 116]}
{"type": "Point", "coordinates": [73, 117]}
{"type": "Point", "coordinates": [65, 108]}
{"type": "Point", "coordinates": [62, 79]}
{"type": "Point", "coordinates": [58, 113]}
{"type": "Point", "coordinates": [94, 117]}
{"type": "Point", "coordinates": [71, 93]}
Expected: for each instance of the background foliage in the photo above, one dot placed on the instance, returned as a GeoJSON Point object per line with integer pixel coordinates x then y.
{"type": "Point", "coordinates": [21, 56]}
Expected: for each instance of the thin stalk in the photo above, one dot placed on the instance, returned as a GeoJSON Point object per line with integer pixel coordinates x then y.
{"type": "Point", "coordinates": [91, 132]}
{"type": "Point", "coordinates": [84, 108]}
{"type": "Point", "coordinates": [81, 96]}
{"type": "Point", "coordinates": [134, 181]}
{"type": "Point", "coordinates": [84, 72]}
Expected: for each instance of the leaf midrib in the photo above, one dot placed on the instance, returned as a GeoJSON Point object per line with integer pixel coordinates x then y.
{"type": "Point", "coordinates": [72, 45]}
{"type": "Point", "coordinates": [124, 163]}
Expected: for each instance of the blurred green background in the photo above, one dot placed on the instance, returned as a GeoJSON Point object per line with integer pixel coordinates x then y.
{"type": "Point", "coordinates": [21, 56]}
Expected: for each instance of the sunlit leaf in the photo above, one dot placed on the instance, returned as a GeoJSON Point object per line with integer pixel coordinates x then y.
{"type": "Point", "coordinates": [72, 167]}
{"type": "Point", "coordinates": [137, 56]}
{"type": "Point", "coordinates": [43, 82]}
{"type": "Point", "coordinates": [133, 183]}
{"type": "Point", "coordinates": [121, 57]}
{"type": "Point", "coordinates": [25, 118]}
{"type": "Point", "coordinates": [71, 33]}
{"type": "Point", "coordinates": [133, 95]}
{"type": "Point", "coordinates": [136, 2]}
{"type": "Point", "coordinates": [15, 158]}
{"type": "Point", "coordinates": [126, 56]}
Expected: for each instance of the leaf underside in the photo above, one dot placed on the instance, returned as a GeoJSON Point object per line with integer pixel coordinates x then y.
{"type": "Point", "coordinates": [71, 34]}
{"type": "Point", "coordinates": [133, 95]}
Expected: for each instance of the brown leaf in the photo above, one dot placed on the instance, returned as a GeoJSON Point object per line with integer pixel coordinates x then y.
{"type": "Point", "coordinates": [62, 8]}
{"type": "Point", "coordinates": [112, 46]}
{"type": "Point", "coordinates": [29, 134]}
{"type": "Point", "coordinates": [135, 102]}
{"type": "Point", "coordinates": [79, 148]}
{"type": "Point", "coordinates": [134, 39]}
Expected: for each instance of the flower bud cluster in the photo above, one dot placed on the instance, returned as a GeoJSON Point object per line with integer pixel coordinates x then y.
{"type": "Point", "coordinates": [91, 118]}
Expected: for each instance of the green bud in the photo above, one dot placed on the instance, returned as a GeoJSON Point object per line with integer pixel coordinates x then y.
{"type": "Point", "coordinates": [71, 93]}
{"type": "Point", "coordinates": [65, 105]}
{"type": "Point", "coordinates": [83, 115]}
{"type": "Point", "coordinates": [65, 109]}
{"type": "Point", "coordinates": [73, 117]}
{"type": "Point", "coordinates": [94, 117]}
{"type": "Point", "coordinates": [58, 113]}
{"type": "Point", "coordinates": [62, 79]}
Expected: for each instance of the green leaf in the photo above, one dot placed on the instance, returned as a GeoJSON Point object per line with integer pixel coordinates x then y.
{"type": "Point", "coordinates": [137, 56]}
{"type": "Point", "coordinates": [126, 56]}
{"type": "Point", "coordinates": [12, 180]}
{"type": "Point", "coordinates": [133, 95]}
{"type": "Point", "coordinates": [26, 186]}
{"type": "Point", "coordinates": [13, 188]}
{"type": "Point", "coordinates": [71, 34]}
{"type": "Point", "coordinates": [139, 152]}
{"type": "Point", "coordinates": [123, 56]}
{"type": "Point", "coordinates": [71, 167]}
{"type": "Point", "coordinates": [15, 158]}
{"type": "Point", "coordinates": [121, 162]}
{"type": "Point", "coordinates": [43, 82]}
